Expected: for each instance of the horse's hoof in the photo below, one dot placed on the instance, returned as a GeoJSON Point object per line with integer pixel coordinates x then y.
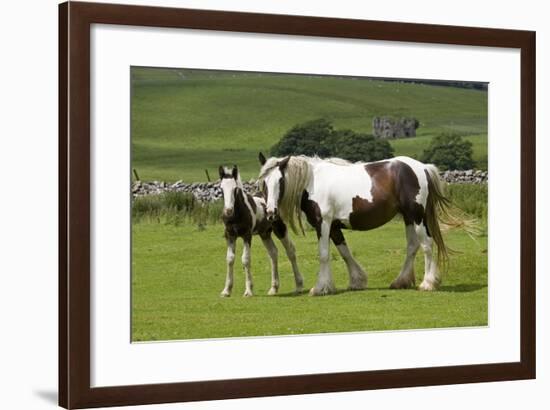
{"type": "Point", "coordinates": [402, 284]}
{"type": "Point", "coordinates": [247, 294]}
{"type": "Point", "coordinates": [358, 281]}
{"type": "Point", "coordinates": [272, 291]}
{"type": "Point", "coordinates": [298, 290]}
{"type": "Point", "coordinates": [427, 287]}
{"type": "Point", "coordinates": [327, 290]}
{"type": "Point", "coordinates": [225, 293]}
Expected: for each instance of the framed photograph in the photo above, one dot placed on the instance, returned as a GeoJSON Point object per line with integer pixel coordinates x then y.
{"type": "Point", "coordinates": [258, 205]}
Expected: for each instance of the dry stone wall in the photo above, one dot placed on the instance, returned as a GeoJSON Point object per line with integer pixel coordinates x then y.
{"type": "Point", "coordinates": [211, 191]}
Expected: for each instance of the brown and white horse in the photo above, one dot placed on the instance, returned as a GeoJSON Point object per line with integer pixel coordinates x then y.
{"type": "Point", "coordinates": [244, 215]}
{"type": "Point", "coordinates": [336, 194]}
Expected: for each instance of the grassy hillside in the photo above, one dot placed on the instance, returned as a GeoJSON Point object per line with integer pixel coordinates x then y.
{"type": "Point", "coordinates": [184, 121]}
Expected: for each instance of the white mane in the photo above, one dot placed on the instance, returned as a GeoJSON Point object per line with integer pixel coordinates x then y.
{"type": "Point", "coordinates": [332, 160]}
{"type": "Point", "coordinates": [273, 162]}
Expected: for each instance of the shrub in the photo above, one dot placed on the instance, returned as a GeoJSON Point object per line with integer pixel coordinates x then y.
{"type": "Point", "coordinates": [318, 137]}
{"type": "Point", "coordinates": [352, 146]}
{"type": "Point", "coordinates": [449, 151]}
{"type": "Point", "coordinates": [309, 138]}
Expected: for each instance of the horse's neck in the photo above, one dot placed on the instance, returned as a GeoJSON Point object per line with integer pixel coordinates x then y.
{"type": "Point", "coordinates": [239, 200]}
{"type": "Point", "coordinates": [239, 182]}
{"type": "Point", "coordinates": [314, 167]}
{"type": "Point", "coordinates": [239, 209]}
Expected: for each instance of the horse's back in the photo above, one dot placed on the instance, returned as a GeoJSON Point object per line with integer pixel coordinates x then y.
{"type": "Point", "coordinates": [336, 182]}
{"type": "Point", "coordinates": [364, 196]}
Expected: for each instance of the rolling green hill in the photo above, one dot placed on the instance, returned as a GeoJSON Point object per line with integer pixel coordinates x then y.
{"type": "Point", "coordinates": [184, 121]}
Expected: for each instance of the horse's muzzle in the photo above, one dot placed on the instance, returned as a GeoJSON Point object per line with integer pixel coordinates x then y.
{"type": "Point", "coordinates": [271, 215]}
{"type": "Point", "coordinates": [228, 213]}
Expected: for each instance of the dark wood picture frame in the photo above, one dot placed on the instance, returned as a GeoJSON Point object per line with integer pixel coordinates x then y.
{"type": "Point", "coordinates": [75, 20]}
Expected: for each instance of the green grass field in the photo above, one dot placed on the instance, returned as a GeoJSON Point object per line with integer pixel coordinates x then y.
{"type": "Point", "coordinates": [178, 272]}
{"type": "Point", "coordinates": [185, 121]}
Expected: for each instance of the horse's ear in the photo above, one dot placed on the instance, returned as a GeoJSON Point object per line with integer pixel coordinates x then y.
{"type": "Point", "coordinates": [221, 171]}
{"type": "Point", "coordinates": [262, 159]}
{"type": "Point", "coordinates": [235, 172]}
{"type": "Point", "coordinates": [283, 163]}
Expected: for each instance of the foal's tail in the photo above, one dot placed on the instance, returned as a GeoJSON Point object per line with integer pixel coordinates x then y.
{"type": "Point", "coordinates": [440, 213]}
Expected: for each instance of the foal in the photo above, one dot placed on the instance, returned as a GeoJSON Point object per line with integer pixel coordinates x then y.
{"type": "Point", "coordinates": [244, 216]}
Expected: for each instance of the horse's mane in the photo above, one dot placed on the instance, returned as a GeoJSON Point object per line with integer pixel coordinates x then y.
{"type": "Point", "coordinates": [331, 160]}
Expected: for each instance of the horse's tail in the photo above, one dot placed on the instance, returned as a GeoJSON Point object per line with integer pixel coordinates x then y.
{"type": "Point", "coordinates": [442, 215]}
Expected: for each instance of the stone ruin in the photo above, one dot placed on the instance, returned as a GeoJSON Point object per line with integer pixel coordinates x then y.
{"type": "Point", "coordinates": [388, 127]}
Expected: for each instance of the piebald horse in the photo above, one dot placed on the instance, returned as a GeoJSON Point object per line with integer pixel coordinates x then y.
{"type": "Point", "coordinates": [336, 194]}
{"type": "Point", "coordinates": [244, 215]}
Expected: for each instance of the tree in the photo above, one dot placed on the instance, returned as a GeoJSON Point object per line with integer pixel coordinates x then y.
{"type": "Point", "coordinates": [318, 137]}
{"type": "Point", "coordinates": [449, 151]}
{"type": "Point", "coordinates": [348, 144]}
{"type": "Point", "coordinates": [309, 138]}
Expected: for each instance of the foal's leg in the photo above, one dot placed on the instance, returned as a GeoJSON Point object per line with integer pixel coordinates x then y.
{"type": "Point", "coordinates": [406, 278]}
{"type": "Point", "coordinates": [279, 228]}
{"type": "Point", "coordinates": [247, 239]}
{"type": "Point", "coordinates": [273, 254]}
{"type": "Point", "coordinates": [324, 285]}
{"type": "Point", "coordinates": [231, 241]}
{"type": "Point", "coordinates": [357, 276]}
{"type": "Point", "coordinates": [432, 278]}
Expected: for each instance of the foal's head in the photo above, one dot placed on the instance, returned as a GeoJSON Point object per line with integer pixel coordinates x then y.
{"type": "Point", "coordinates": [229, 182]}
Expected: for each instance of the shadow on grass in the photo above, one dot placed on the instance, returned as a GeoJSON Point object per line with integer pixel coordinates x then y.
{"type": "Point", "coordinates": [292, 294]}
{"type": "Point", "coordinates": [464, 288]}
{"type": "Point", "coordinates": [469, 287]}
{"type": "Point", "coordinates": [306, 292]}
